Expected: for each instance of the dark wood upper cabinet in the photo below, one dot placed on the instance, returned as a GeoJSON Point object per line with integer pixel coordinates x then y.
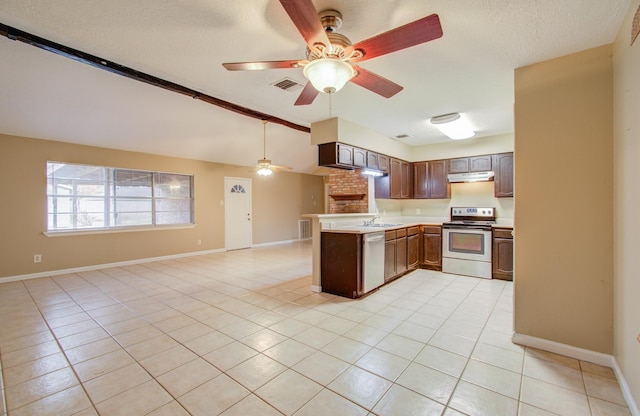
{"type": "Point", "coordinates": [459, 165]}
{"type": "Point", "coordinates": [383, 163]}
{"type": "Point", "coordinates": [406, 189]}
{"type": "Point", "coordinates": [430, 180]}
{"type": "Point", "coordinates": [470, 164]}
{"type": "Point", "coordinates": [359, 157]}
{"type": "Point", "coordinates": [439, 187]}
{"type": "Point", "coordinates": [382, 189]}
{"type": "Point", "coordinates": [503, 168]}
{"type": "Point", "coordinates": [420, 180]}
{"type": "Point", "coordinates": [400, 183]}
{"type": "Point", "coordinates": [480, 163]}
{"type": "Point", "coordinates": [345, 154]}
{"type": "Point", "coordinates": [395, 178]}
{"type": "Point", "coordinates": [372, 160]}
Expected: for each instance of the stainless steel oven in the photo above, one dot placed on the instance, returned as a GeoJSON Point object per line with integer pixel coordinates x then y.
{"type": "Point", "coordinates": [466, 242]}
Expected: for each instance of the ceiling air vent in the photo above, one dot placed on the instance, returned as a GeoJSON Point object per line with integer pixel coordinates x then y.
{"type": "Point", "coordinates": [403, 136]}
{"type": "Point", "coordinates": [287, 84]}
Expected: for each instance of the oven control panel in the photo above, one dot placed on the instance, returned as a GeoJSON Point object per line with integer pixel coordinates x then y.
{"type": "Point", "coordinates": [473, 212]}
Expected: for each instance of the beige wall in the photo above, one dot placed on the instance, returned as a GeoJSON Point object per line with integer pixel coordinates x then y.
{"type": "Point", "coordinates": [626, 60]}
{"type": "Point", "coordinates": [278, 203]}
{"type": "Point", "coordinates": [564, 200]}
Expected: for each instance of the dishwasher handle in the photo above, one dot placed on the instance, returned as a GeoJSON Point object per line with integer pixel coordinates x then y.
{"type": "Point", "coordinates": [371, 237]}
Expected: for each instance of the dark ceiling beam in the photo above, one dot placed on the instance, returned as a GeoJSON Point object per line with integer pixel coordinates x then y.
{"type": "Point", "coordinates": [104, 64]}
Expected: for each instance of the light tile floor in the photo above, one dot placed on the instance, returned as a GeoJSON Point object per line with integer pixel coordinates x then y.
{"type": "Point", "coordinates": [240, 333]}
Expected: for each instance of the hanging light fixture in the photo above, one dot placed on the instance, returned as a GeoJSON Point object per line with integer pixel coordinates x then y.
{"type": "Point", "coordinates": [453, 125]}
{"type": "Point", "coordinates": [328, 75]}
{"type": "Point", "coordinates": [264, 164]}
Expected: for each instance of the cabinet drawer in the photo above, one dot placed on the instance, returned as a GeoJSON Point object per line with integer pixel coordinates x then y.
{"type": "Point", "coordinates": [413, 230]}
{"type": "Point", "coordinates": [402, 232]}
{"type": "Point", "coordinates": [432, 230]}
{"type": "Point", "coordinates": [390, 235]}
{"type": "Point", "coordinates": [502, 233]}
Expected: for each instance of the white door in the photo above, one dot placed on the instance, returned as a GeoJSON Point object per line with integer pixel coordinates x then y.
{"type": "Point", "coordinates": [237, 213]}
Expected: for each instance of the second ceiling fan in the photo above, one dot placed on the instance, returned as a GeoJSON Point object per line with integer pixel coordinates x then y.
{"type": "Point", "coordinates": [331, 58]}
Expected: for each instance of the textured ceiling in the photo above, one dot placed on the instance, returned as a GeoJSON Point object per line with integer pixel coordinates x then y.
{"type": "Point", "coordinates": [468, 70]}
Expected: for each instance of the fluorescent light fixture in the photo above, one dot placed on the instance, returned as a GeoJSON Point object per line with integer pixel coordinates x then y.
{"type": "Point", "coordinates": [328, 75]}
{"type": "Point", "coordinates": [453, 125]}
{"type": "Point", "coordinates": [371, 172]}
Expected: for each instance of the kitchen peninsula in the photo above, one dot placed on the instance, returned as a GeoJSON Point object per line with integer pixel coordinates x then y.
{"type": "Point", "coordinates": [342, 264]}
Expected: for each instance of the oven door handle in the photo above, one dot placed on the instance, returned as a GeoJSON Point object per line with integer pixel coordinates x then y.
{"type": "Point", "coordinates": [465, 227]}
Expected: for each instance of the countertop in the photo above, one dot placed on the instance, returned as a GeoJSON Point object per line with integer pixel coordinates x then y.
{"type": "Point", "coordinates": [394, 224]}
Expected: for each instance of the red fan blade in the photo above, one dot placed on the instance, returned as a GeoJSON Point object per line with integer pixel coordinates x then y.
{"type": "Point", "coordinates": [253, 66]}
{"type": "Point", "coordinates": [308, 94]}
{"type": "Point", "coordinates": [414, 33]}
{"type": "Point", "coordinates": [304, 16]}
{"type": "Point", "coordinates": [375, 83]}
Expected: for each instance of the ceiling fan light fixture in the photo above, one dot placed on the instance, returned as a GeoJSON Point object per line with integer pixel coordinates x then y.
{"type": "Point", "coordinates": [264, 171]}
{"type": "Point", "coordinates": [328, 75]}
{"type": "Point", "coordinates": [455, 126]}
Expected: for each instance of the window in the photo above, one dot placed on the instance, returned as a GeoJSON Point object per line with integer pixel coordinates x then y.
{"type": "Point", "coordinates": [83, 197]}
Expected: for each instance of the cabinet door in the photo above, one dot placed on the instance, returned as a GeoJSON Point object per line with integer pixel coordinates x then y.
{"type": "Point", "coordinates": [413, 251]}
{"type": "Point", "coordinates": [401, 255]}
{"type": "Point", "coordinates": [432, 251]}
{"type": "Point", "coordinates": [395, 179]}
{"type": "Point", "coordinates": [389, 259]}
{"type": "Point", "coordinates": [480, 163]}
{"type": "Point", "coordinates": [439, 187]}
{"type": "Point", "coordinates": [341, 264]}
{"type": "Point", "coordinates": [420, 180]}
{"type": "Point", "coordinates": [383, 163]}
{"type": "Point", "coordinates": [381, 187]}
{"type": "Point", "coordinates": [359, 157]}
{"type": "Point", "coordinates": [503, 258]}
{"type": "Point", "coordinates": [459, 165]}
{"type": "Point", "coordinates": [407, 182]}
{"type": "Point", "coordinates": [372, 160]}
{"type": "Point", "coordinates": [345, 154]}
{"type": "Point", "coordinates": [503, 180]}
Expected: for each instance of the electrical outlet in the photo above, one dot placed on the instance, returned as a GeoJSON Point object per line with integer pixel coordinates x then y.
{"type": "Point", "coordinates": [37, 258]}
{"type": "Point", "coordinates": [417, 211]}
{"type": "Point", "coordinates": [199, 241]}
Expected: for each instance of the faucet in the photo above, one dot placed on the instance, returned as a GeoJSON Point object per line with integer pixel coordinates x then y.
{"type": "Point", "coordinates": [372, 221]}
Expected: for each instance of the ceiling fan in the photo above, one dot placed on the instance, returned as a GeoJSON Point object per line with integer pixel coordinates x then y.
{"type": "Point", "coordinates": [331, 58]}
{"type": "Point", "coordinates": [264, 166]}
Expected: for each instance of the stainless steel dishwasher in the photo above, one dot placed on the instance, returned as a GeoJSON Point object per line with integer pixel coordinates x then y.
{"type": "Point", "coordinates": [372, 260]}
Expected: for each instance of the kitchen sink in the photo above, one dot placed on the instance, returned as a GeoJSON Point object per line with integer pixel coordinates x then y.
{"type": "Point", "coordinates": [383, 225]}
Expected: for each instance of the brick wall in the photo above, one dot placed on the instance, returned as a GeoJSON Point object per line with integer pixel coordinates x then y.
{"type": "Point", "coordinates": [343, 182]}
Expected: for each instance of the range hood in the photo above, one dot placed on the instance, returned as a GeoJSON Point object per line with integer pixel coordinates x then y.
{"type": "Point", "coordinates": [471, 177]}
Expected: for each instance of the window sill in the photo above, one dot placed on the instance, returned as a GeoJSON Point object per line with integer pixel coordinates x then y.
{"type": "Point", "coordinates": [116, 230]}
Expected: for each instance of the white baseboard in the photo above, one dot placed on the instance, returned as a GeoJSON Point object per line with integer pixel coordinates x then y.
{"type": "Point", "coordinates": [128, 263]}
{"type": "Point", "coordinates": [105, 266]}
{"type": "Point", "coordinates": [626, 390]}
{"type": "Point", "coordinates": [583, 355]}
{"type": "Point", "coordinates": [316, 289]}
{"type": "Point", "coordinates": [274, 243]}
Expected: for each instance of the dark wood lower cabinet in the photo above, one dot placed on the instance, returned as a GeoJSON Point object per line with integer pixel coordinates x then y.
{"type": "Point", "coordinates": [432, 247]}
{"type": "Point", "coordinates": [413, 249]}
{"type": "Point", "coordinates": [389, 260]}
{"type": "Point", "coordinates": [341, 264]}
{"type": "Point", "coordinates": [401, 255]}
{"type": "Point", "coordinates": [502, 261]}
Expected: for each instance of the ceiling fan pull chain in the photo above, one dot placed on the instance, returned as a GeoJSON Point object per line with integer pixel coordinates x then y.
{"type": "Point", "coordinates": [330, 105]}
